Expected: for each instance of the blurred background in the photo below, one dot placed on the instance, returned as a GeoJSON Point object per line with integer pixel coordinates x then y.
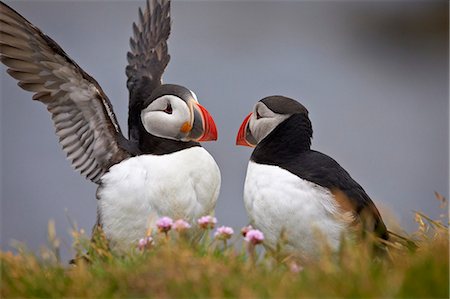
{"type": "Point", "coordinates": [374, 76]}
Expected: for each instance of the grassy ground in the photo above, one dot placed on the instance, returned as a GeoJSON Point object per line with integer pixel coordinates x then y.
{"type": "Point", "coordinates": [174, 269]}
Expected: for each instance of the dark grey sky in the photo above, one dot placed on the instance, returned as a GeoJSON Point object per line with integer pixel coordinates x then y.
{"type": "Point", "coordinates": [373, 75]}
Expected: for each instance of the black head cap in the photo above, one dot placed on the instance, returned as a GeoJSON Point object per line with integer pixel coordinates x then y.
{"type": "Point", "coordinates": [284, 105]}
{"type": "Point", "coordinates": [170, 89]}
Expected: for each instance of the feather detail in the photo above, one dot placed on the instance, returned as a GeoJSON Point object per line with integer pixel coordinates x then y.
{"type": "Point", "coordinates": [82, 114]}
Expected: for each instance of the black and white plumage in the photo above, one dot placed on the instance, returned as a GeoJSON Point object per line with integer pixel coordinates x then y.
{"type": "Point", "coordinates": [161, 170]}
{"type": "Point", "coordinates": [297, 193]}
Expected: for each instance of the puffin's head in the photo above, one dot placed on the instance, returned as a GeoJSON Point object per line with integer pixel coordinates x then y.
{"type": "Point", "coordinates": [267, 115]}
{"type": "Point", "coordinates": [173, 112]}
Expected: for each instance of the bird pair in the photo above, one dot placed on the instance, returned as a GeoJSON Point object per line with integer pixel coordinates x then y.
{"type": "Point", "coordinates": [161, 169]}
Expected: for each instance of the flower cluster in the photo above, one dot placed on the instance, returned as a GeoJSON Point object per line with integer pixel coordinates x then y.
{"type": "Point", "coordinates": [223, 233]}
{"type": "Point", "coordinates": [254, 237]}
{"type": "Point", "coordinates": [145, 243]}
{"type": "Point", "coordinates": [164, 224]}
{"type": "Point", "coordinates": [207, 222]}
{"type": "Point", "coordinates": [245, 230]}
{"type": "Point", "coordinates": [181, 225]}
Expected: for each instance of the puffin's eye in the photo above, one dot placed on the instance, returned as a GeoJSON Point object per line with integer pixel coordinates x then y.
{"type": "Point", "coordinates": [258, 116]}
{"type": "Point", "coordinates": [168, 109]}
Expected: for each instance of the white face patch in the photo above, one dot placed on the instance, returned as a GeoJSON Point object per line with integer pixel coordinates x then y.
{"type": "Point", "coordinates": [165, 116]}
{"type": "Point", "coordinates": [264, 120]}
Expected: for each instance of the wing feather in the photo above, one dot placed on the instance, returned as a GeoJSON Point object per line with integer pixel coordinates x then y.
{"type": "Point", "coordinates": [82, 114]}
{"type": "Point", "coordinates": [148, 57]}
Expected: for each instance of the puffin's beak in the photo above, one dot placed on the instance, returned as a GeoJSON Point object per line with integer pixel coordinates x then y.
{"type": "Point", "coordinates": [203, 127]}
{"type": "Point", "coordinates": [244, 136]}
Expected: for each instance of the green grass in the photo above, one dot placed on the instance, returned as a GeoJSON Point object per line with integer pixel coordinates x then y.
{"type": "Point", "coordinates": [174, 269]}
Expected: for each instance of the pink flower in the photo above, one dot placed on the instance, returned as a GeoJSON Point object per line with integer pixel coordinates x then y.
{"type": "Point", "coordinates": [245, 230]}
{"type": "Point", "coordinates": [295, 268]}
{"type": "Point", "coordinates": [207, 222]}
{"type": "Point", "coordinates": [164, 224]}
{"type": "Point", "coordinates": [254, 237]}
{"type": "Point", "coordinates": [223, 233]}
{"type": "Point", "coordinates": [180, 225]}
{"type": "Point", "coordinates": [146, 242]}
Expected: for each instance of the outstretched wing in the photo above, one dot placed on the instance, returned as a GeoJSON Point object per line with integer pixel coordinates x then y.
{"type": "Point", "coordinates": [82, 114]}
{"type": "Point", "coordinates": [148, 57]}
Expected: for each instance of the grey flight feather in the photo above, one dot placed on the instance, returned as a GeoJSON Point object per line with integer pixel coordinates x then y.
{"type": "Point", "coordinates": [147, 60]}
{"type": "Point", "coordinates": [149, 56]}
{"type": "Point", "coordinates": [82, 114]}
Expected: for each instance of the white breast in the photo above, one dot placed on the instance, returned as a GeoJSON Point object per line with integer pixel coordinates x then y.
{"type": "Point", "coordinates": [139, 190]}
{"type": "Point", "coordinates": [281, 203]}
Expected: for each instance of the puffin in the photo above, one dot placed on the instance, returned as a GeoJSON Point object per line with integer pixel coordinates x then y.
{"type": "Point", "coordinates": [160, 169]}
{"type": "Point", "coordinates": [301, 199]}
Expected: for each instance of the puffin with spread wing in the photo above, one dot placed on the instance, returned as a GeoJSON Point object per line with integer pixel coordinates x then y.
{"type": "Point", "coordinates": [161, 170]}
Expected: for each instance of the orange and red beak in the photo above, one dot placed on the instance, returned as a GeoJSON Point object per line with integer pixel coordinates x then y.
{"type": "Point", "coordinates": [244, 136]}
{"type": "Point", "coordinates": [209, 126]}
{"type": "Point", "coordinates": [202, 126]}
